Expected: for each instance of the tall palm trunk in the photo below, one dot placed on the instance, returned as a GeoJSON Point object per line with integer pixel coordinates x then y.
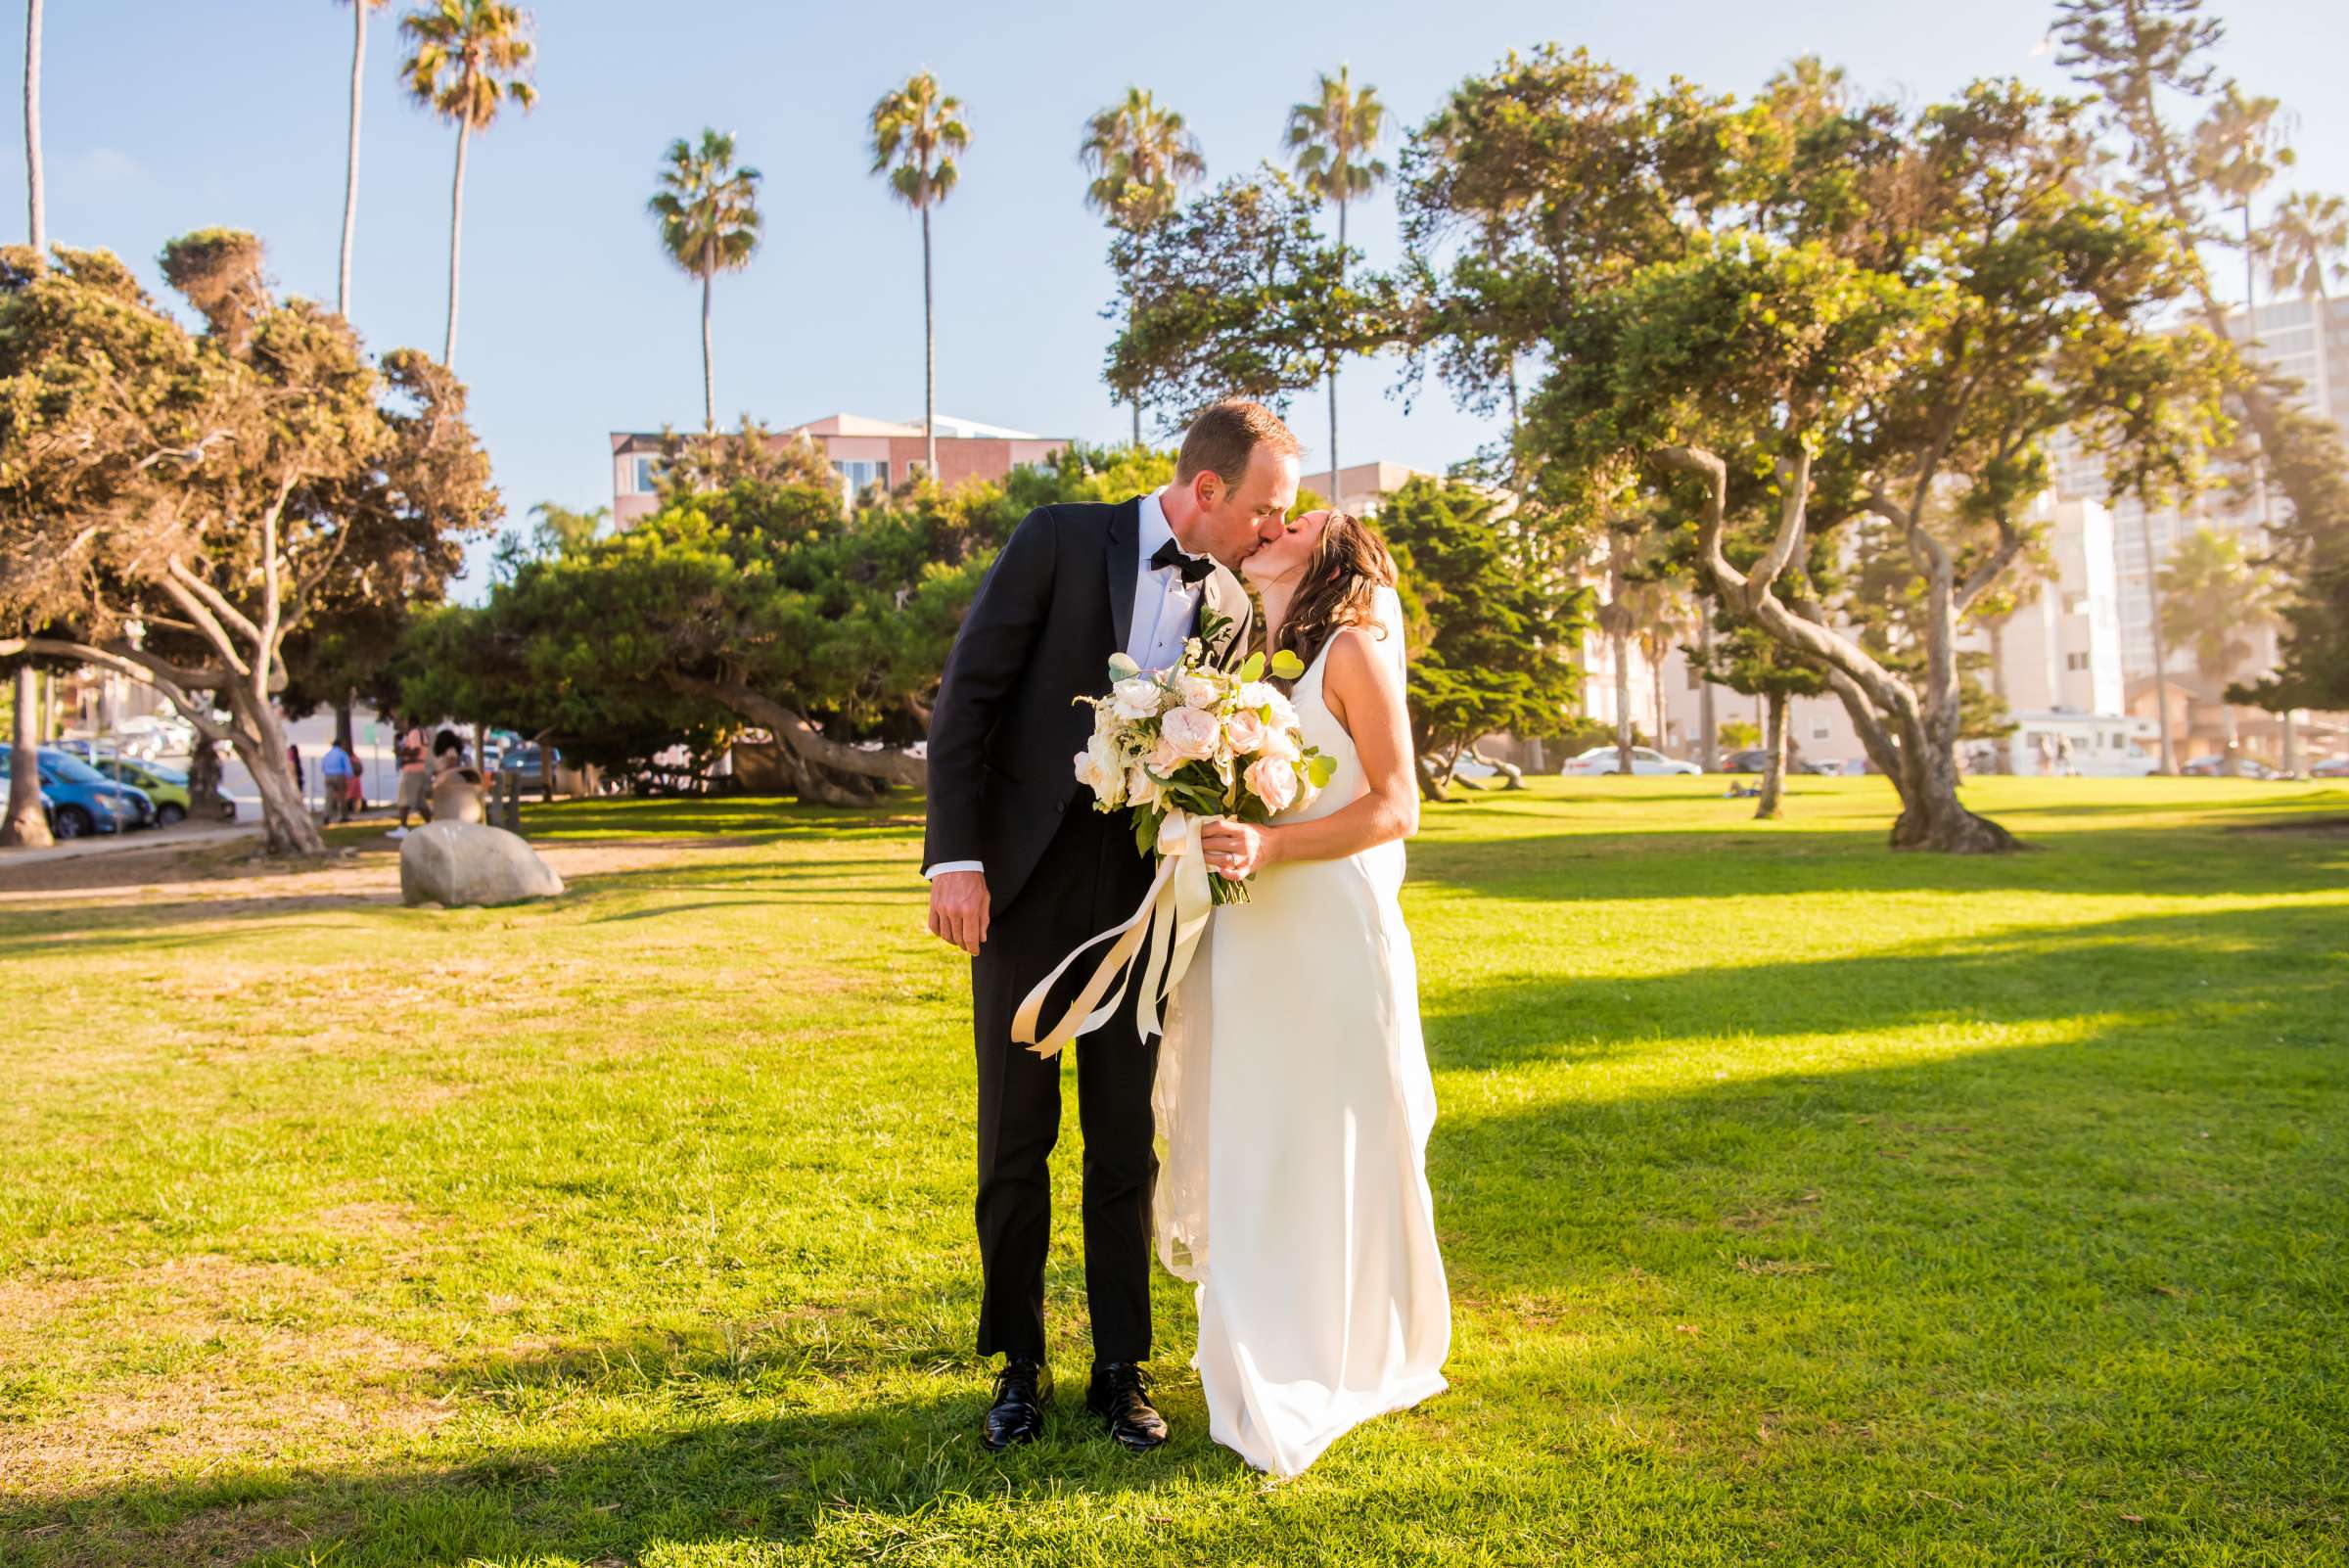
{"type": "Point", "coordinates": [2161, 694]}
{"type": "Point", "coordinates": [351, 177]}
{"type": "Point", "coordinates": [25, 826]}
{"type": "Point", "coordinates": [708, 373]}
{"type": "Point", "coordinates": [1623, 704]}
{"type": "Point", "coordinates": [1332, 496]}
{"type": "Point", "coordinates": [1773, 758]}
{"type": "Point", "coordinates": [929, 360]}
{"type": "Point", "coordinates": [456, 239]}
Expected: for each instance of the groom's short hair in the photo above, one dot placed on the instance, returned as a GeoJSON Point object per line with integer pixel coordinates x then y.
{"type": "Point", "coordinates": [1224, 438]}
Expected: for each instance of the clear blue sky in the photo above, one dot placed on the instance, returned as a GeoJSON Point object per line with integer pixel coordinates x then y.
{"type": "Point", "coordinates": [163, 117]}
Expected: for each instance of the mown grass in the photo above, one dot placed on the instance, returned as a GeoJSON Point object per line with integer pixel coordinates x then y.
{"type": "Point", "coordinates": [1802, 1203]}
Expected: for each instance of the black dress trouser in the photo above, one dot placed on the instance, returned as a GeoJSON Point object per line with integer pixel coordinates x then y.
{"type": "Point", "coordinates": [1089, 879]}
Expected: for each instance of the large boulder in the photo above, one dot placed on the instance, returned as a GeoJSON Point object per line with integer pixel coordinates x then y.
{"type": "Point", "coordinates": [456, 863]}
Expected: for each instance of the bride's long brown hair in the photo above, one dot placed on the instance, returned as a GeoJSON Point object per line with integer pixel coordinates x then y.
{"type": "Point", "coordinates": [1338, 586]}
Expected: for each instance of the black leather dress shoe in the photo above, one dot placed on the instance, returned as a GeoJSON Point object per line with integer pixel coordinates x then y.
{"type": "Point", "coordinates": [1022, 1390]}
{"type": "Point", "coordinates": [1120, 1397]}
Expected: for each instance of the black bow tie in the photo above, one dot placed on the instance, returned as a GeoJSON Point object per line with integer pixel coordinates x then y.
{"type": "Point", "coordinates": [1192, 567]}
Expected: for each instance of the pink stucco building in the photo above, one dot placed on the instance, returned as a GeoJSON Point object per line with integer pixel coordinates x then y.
{"type": "Point", "coordinates": [862, 452]}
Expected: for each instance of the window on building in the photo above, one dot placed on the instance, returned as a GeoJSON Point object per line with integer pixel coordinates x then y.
{"type": "Point", "coordinates": [2075, 661]}
{"type": "Point", "coordinates": [857, 473]}
{"type": "Point", "coordinates": [645, 480]}
{"type": "Point", "coordinates": [1821, 731]}
{"type": "Point", "coordinates": [1696, 678]}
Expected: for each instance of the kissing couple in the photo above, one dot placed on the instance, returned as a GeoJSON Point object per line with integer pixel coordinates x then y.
{"type": "Point", "coordinates": [1290, 1087]}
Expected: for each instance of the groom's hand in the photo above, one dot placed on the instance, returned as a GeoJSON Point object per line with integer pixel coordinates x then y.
{"type": "Point", "coordinates": [958, 908]}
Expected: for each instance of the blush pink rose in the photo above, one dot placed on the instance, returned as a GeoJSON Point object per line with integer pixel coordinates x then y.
{"type": "Point", "coordinates": [1245, 730]}
{"type": "Point", "coordinates": [1189, 732]}
{"type": "Point", "coordinates": [1272, 780]}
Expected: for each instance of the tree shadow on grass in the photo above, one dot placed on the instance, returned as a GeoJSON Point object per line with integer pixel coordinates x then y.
{"type": "Point", "coordinates": [776, 1476]}
{"type": "Point", "coordinates": [2185, 969]}
{"type": "Point", "coordinates": [1581, 867]}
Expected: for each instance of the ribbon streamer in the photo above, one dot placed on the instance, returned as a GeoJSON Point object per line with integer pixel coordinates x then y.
{"type": "Point", "coordinates": [1174, 910]}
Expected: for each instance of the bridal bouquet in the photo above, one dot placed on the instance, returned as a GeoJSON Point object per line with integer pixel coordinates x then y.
{"type": "Point", "coordinates": [1193, 742]}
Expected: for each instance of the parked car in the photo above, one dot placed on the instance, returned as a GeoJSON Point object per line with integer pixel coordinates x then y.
{"type": "Point", "coordinates": [1645, 760]}
{"type": "Point", "coordinates": [82, 800]}
{"type": "Point", "coordinates": [2215, 766]}
{"type": "Point", "coordinates": [1833, 766]}
{"type": "Point", "coordinates": [2330, 767]}
{"type": "Point", "coordinates": [166, 787]}
{"type": "Point", "coordinates": [525, 758]}
{"type": "Point", "coordinates": [1752, 760]}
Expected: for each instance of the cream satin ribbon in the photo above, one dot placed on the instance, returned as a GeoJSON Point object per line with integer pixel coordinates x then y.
{"type": "Point", "coordinates": [1174, 910]}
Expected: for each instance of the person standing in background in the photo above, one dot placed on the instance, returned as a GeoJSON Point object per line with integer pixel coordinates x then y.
{"type": "Point", "coordinates": [411, 751]}
{"type": "Point", "coordinates": [335, 771]}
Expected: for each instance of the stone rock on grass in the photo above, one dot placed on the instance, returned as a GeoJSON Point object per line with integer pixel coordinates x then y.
{"type": "Point", "coordinates": [459, 863]}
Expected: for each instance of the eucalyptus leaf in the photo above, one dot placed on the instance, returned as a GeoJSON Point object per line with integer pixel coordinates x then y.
{"type": "Point", "coordinates": [1286, 665]}
{"type": "Point", "coordinates": [1253, 668]}
{"type": "Point", "coordinates": [1321, 769]}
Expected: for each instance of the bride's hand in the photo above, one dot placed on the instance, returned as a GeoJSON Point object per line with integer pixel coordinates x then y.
{"type": "Point", "coordinates": [1236, 850]}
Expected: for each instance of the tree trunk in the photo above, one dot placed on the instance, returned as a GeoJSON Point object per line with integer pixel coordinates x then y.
{"type": "Point", "coordinates": [2161, 694]}
{"type": "Point", "coordinates": [796, 737]}
{"type": "Point", "coordinates": [1773, 758]}
{"type": "Point", "coordinates": [2235, 738]}
{"type": "Point", "coordinates": [1655, 671]}
{"type": "Point", "coordinates": [345, 734]}
{"type": "Point", "coordinates": [286, 827]}
{"type": "Point", "coordinates": [1623, 704]}
{"type": "Point", "coordinates": [25, 827]}
{"type": "Point", "coordinates": [1931, 817]}
{"type": "Point", "coordinates": [2292, 745]}
{"type": "Point", "coordinates": [351, 177]}
{"type": "Point", "coordinates": [1708, 732]}
{"type": "Point", "coordinates": [1332, 496]}
{"type": "Point", "coordinates": [709, 371]}
{"type": "Point", "coordinates": [929, 358]}
{"type": "Point", "coordinates": [36, 210]}
{"type": "Point", "coordinates": [1138, 422]}
{"type": "Point", "coordinates": [456, 240]}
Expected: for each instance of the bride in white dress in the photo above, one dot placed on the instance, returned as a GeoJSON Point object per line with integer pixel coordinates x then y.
{"type": "Point", "coordinates": [1293, 1089]}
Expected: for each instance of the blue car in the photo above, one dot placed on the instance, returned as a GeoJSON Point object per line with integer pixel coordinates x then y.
{"type": "Point", "coordinates": [82, 800]}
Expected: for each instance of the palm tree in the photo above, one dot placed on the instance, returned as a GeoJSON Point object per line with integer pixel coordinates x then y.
{"type": "Point", "coordinates": [1665, 614]}
{"type": "Point", "coordinates": [1330, 140]}
{"type": "Point", "coordinates": [470, 57]}
{"type": "Point", "coordinates": [2304, 240]}
{"type": "Point", "coordinates": [708, 215]}
{"type": "Point", "coordinates": [2238, 148]}
{"type": "Point", "coordinates": [1140, 157]}
{"type": "Point", "coordinates": [351, 179]}
{"type": "Point", "coordinates": [25, 826]}
{"type": "Point", "coordinates": [918, 133]}
{"type": "Point", "coordinates": [2215, 599]}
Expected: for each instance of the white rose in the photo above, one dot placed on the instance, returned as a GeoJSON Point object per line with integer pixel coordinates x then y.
{"type": "Point", "coordinates": [1164, 759]}
{"type": "Point", "coordinates": [1244, 731]}
{"type": "Point", "coordinates": [1272, 780]}
{"type": "Point", "coordinates": [1197, 691]}
{"type": "Point", "coordinates": [1280, 742]}
{"type": "Point", "coordinates": [1261, 694]}
{"type": "Point", "coordinates": [1140, 788]}
{"type": "Point", "coordinates": [1189, 733]}
{"type": "Point", "coordinates": [1098, 770]}
{"type": "Point", "coordinates": [1137, 697]}
{"type": "Point", "coordinates": [1284, 712]}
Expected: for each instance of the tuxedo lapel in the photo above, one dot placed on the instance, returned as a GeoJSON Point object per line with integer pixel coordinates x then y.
{"type": "Point", "coordinates": [1125, 550]}
{"type": "Point", "coordinates": [1225, 596]}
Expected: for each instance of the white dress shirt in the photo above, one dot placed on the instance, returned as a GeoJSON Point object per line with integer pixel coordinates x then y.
{"type": "Point", "coordinates": [1165, 609]}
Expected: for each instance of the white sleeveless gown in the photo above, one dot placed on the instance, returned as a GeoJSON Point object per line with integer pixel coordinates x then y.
{"type": "Point", "coordinates": [1294, 1098]}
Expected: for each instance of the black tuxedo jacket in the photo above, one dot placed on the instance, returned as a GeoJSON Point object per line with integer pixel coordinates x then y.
{"type": "Point", "coordinates": [1005, 729]}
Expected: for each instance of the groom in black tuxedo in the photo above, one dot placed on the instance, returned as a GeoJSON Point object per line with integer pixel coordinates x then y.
{"type": "Point", "coordinates": [1022, 869]}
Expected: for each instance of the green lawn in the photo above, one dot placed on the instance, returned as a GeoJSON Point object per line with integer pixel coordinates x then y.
{"type": "Point", "coordinates": [1802, 1203]}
